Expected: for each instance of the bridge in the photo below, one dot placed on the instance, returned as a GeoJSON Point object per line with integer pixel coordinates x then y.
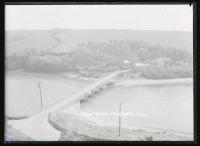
{"type": "Point", "coordinates": [37, 126]}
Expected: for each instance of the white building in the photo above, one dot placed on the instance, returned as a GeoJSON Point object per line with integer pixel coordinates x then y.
{"type": "Point", "coordinates": [139, 64]}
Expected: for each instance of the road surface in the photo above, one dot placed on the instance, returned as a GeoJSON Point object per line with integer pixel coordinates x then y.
{"type": "Point", "coordinates": [38, 126]}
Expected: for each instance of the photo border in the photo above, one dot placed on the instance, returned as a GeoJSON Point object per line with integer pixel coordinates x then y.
{"type": "Point", "coordinates": [196, 45]}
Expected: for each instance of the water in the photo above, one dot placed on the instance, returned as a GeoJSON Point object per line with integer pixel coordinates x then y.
{"type": "Point", "coordinates": [22, 94]}
{"type": "Point", "coordinates": [163, 107]}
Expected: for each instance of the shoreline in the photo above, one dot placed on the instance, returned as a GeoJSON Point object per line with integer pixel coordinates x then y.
{"type": "Point", "coordinates": [140, 82]}
{"type": "Point", "coordinates": [156, 134]}
{"type": "Point", "coordinates": [58, 120]}
{"type": "Point", "coordinates": [136, 82]}
{"type": "Point", "coordinates": [77, 112]}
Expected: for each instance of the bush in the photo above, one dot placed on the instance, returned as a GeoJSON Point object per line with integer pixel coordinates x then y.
{"type": "Point", "coordinates": [109, 84]}
{"type": "Point", "coordinates": [180, 70]}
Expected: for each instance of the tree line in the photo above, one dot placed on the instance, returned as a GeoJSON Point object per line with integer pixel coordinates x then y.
{"type": "Point", "coordinates": [97, 58]}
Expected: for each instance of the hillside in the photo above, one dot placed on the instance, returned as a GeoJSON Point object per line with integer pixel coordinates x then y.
{"type": "Point", "coordinates": [66, 40]}
{"type": "Point", "coordinates": [90, 53]}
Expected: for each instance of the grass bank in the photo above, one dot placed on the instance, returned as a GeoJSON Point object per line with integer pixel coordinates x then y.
{"type": "Point", "coordinates": [77, 128]}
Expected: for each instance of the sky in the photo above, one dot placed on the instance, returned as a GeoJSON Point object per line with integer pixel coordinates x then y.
{"type": "Point", "coordinates": [137, 17]}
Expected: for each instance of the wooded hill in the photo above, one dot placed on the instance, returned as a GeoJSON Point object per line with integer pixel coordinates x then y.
{"type": "Point", "coordinates": [66, 40]}
{"type": "Point", "coordinates": [92, 52]}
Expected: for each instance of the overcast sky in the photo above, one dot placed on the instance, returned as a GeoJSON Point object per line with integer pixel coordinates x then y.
{"type": "Point", "coordinates": [138, 17]}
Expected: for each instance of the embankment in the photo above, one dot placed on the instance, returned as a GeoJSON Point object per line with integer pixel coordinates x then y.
{"type": "Point", "coordinates": [12, 134]}
{"type": "Point", "coordinates": [77, 128]}
{"type": "Point", "coordinates": [137, 82]}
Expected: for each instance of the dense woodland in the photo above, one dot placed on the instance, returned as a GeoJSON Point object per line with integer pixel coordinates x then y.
{"type": "Point", "coordinates": [92, 59]}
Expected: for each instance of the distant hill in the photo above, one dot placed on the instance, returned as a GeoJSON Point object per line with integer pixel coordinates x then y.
{"type": "Point", "coordinates": [66, 40]}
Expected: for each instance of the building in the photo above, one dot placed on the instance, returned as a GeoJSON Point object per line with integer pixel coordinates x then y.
{"type": "Point", "coordinates": [139, 64]}
{"type": "Point", "coordinates": [126, 64]}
